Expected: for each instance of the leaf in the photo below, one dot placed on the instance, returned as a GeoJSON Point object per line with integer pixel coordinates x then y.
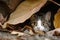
{"type": "Point", "coordinates": [25, 10]}
{"type": "Point", "coordinates": [57, 19]}
{"type": "Point", "coordinates": [13, 4]}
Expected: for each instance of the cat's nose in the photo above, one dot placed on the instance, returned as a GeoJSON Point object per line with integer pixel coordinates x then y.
{"type": "Point", "coordinates": [42, 28]}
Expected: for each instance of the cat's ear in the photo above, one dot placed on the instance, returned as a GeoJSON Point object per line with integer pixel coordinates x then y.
{"type": "Point", "coordinates": [48, 16]}
{"type": "Point", "coordinates": [1, 17]}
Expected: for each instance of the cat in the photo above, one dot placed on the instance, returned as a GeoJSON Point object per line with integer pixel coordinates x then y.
{"type": "Point", "coordinates": [41, 22]}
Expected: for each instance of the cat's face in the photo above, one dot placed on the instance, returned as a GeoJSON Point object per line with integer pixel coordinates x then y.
{"type": "Point", "coordinates": [41, 22]}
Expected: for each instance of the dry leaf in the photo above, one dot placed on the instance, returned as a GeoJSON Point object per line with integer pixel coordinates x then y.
{"type": "Point", "coordinates": [57, 19]}
{"type": "Point", "coordinates": [25, 10]}
{"type": "Point", "coordinates": [13, 4]}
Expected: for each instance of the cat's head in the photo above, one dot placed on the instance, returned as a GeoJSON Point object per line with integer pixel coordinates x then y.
{"type": "Point", "coordinates": [41, 22]}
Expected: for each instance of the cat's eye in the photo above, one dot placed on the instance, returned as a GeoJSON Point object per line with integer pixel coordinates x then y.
{"type": "Point", "coordinates": [43, 23]}
{"type": "Point", "coordinates": [34, 23]}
